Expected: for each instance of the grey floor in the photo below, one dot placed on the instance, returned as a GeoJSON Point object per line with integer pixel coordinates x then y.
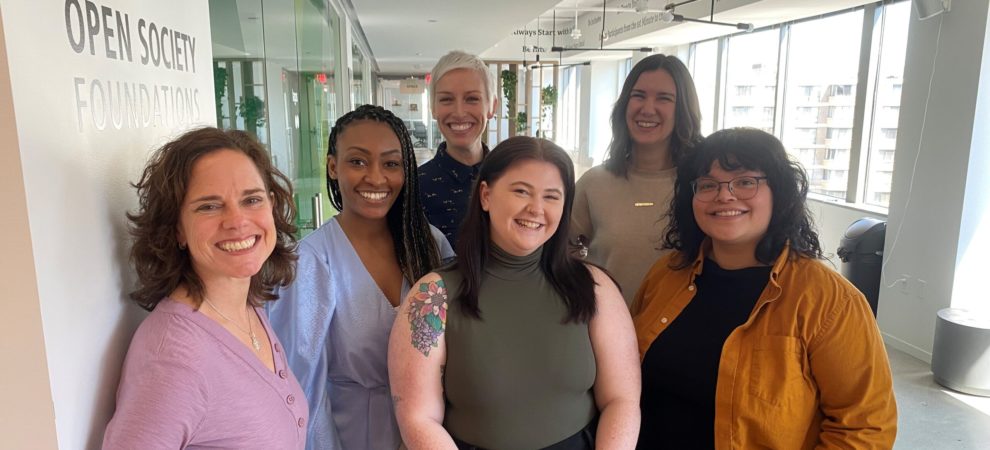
{"type": "Point", "coordinates": [931, 417]}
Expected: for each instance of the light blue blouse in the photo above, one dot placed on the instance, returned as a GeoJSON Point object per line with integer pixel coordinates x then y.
{"type": "Point", "coordinates": [334, 323]}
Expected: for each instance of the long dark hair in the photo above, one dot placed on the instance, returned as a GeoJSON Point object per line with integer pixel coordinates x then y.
{"type": "Point", "coordinates": [569, 277]}
{"type": "Point", "coordinates": [748, 149]}
{"type": "Point", "coordinates": [160, 264]}
{"type": "Point", "coordinates": [687, 113]}
{"type": "Point", "coordinates": [415, 248]}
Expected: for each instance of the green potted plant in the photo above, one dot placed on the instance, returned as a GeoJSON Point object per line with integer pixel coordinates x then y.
{"type": "Point", "coordinates": [252, 110]}
{"type": "Point", "coordinates": [509, 81]}
{"type": "Point", "coordinates": [521, 124]}
{"type": "Point", "coordinates": [548, 98]}
{"type": "Point", "coordinates": [219, 90]}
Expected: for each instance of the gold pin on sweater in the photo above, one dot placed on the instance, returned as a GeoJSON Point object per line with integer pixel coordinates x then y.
{"type": "Point", "coordinates": [641, 204]}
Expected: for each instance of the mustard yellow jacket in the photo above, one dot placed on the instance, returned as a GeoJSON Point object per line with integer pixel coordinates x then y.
{"type": "Point", "coordinates": [807, 370]}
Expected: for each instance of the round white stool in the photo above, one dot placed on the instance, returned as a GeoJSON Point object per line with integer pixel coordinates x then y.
{"type": "Point", "coordinates": [961, 354]}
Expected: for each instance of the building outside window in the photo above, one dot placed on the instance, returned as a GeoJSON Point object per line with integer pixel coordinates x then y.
{"type": "Point", "coordinates": [703, 64]}
{"type": "Point", "coordinates": [812, 110]}
{"type": "Point", "coordinates": [822, 73]}
{"type": "Point", "coordinates": [889, 77]}
{"type": "Point", "coordinates": [751, 67]}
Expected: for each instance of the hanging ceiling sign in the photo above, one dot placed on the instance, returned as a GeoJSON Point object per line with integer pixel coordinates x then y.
{"type": "Point", "coordinates": [412, 86]}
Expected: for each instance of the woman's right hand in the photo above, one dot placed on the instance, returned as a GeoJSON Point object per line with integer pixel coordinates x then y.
{"type": "Point", "coordinates": [417, 352]}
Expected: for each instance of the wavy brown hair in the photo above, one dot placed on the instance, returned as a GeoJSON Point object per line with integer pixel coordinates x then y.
{"type": "Point", "coordinates": [687, 113]}
{"type": "Point", "coordinates": [160, 264]}
{"type": "Point", "coordinates": [750, 149]}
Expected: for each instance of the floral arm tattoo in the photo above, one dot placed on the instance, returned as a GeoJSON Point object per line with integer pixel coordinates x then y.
{"type": "Point", "coordinates": [428, 315]}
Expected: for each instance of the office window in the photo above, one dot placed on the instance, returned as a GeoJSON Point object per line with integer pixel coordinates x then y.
{"type": "Point", "coordinates": [839, 135]}
{"type": "Point", "coordinates": [703, 64]}
{"type": "Point", "coordinates": [812, 110]}
{"type": "Point", "coordinates": [822, 73]}
{"type": "Point", "coordinates": [843, 89]}
{"type": "Point", "coordinates": [805, 136]}
{"type": "Point", "coordinates": [887, 102]}
{"type": "Point", "coordinates": [568, 122]}
{"type": "Point", "coordinates": [752, 62]}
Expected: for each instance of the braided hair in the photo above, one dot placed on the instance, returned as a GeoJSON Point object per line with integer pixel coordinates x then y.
{"type": "Point", "coordinates": [415, 249]}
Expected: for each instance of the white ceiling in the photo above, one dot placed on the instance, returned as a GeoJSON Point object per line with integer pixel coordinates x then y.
{"type": "Point", "coordinates": [404, 41]}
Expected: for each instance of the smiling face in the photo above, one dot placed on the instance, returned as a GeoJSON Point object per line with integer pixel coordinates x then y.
{"type": "Point", "coordinates": [729, 221]}
{"type": "Point", "coordinates": [525, 205]}
{"type": "Point", "coordinates": [368, 169]}
{"type": "Point", "coordinates": [226, 220]}
{"type": "Point", "coordinates": [462, 108]}
{"type": "Point", "coordinates": [651, 109]}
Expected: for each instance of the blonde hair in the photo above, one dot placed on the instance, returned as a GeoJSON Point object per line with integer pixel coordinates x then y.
{"type": "Point", "coordinates": [458, 59]}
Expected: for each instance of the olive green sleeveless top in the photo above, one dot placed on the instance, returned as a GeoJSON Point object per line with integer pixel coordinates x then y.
{"type": "Point", "coordinates": [519, 378]}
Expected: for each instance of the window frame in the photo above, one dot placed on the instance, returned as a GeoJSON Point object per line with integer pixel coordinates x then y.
{"type": "Point", "coordinates": [864, 107]}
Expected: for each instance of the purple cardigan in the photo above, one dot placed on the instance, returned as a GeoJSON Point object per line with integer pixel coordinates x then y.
{"type": "Point", "coordinates": [188, 383]}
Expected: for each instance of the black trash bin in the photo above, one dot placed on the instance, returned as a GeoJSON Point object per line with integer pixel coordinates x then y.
{"type": "Point", "coordinates": [861, 252]}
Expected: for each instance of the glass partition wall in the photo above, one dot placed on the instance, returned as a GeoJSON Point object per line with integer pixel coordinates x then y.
{"type": "Point", "coordinates": [275, 74]}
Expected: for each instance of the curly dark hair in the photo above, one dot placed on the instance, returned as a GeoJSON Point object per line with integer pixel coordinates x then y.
{"type": "Point", "coordinates": [749, 149]}
{"type": "Point", "coordinates": [160, 264]}
{"type": "Point", "coordinates": [687, 113]}
{"type": "Point", "coordinates": [415, 249]}
{"type": "Point", "coordinates": [569, 276]}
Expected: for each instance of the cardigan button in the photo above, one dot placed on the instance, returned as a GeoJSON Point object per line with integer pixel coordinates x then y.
{"type": "Point", "coordinates": [691, 287]}
{"type": "Point", "coordinates": [663, 320]}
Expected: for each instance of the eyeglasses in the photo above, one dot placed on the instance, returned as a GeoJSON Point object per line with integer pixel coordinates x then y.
{"type": "Point", "coordinates": [743, 188]}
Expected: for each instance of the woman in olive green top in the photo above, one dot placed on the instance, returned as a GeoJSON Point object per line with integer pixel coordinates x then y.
{"type": "Point", "coordinates": [517, 345]}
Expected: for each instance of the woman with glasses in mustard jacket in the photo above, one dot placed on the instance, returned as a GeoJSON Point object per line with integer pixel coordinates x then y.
{"type": "Point", "coordinates": [748, 340]}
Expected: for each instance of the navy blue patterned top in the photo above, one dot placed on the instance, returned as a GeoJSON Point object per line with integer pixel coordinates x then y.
{"type": "Point", "coordinates": [445, 187]}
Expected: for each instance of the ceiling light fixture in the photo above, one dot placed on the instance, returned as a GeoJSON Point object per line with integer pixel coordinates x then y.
{"type": "Point", "coordinates": [586, 63]}
{"type": "Point", "coordinates": [603, 37]}
{"type": "Point", "coordinates": [747, 27]}
{"type": "Point", "coordinates": [669, 15]}
{"type": "Point", "coordinates": [575, 32]}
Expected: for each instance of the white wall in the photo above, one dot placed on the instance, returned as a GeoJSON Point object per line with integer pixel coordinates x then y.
{"type": "Point", "coordinates": [929, 219]}
{"type": "Point", "coordinates": [832, 220]}
{"type": "Point", "coordinates": [76, 162]}
{"type": "Point", "coordinates": [969, 286]}
{"type": "Point", "coordinates": [584, 161]}
{"type": "Point", "coordinates": [32, 423]}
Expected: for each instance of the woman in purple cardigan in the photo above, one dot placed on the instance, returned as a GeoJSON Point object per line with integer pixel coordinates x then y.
{"type": "Point", "coordinates": [212, 239]}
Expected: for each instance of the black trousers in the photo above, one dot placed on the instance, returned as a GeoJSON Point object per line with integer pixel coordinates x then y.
{"type": "Point", "coordinates": [582, 440]}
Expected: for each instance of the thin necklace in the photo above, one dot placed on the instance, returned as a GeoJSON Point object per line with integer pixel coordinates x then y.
{"type": "Point", "coordinates": [249, 331]}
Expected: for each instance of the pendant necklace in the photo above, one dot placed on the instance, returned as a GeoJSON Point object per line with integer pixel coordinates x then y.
{"type": "Point", "coordinates": [249, 331]}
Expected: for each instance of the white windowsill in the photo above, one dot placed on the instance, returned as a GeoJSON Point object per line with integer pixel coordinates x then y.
{"type": "Point", "coordinates": [863, 207]}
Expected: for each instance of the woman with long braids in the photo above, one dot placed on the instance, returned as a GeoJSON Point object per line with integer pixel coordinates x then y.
{"type": "Point", "coordinates": [620, 205]}
{"type": "Point", "coordinates": [335, 319]}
